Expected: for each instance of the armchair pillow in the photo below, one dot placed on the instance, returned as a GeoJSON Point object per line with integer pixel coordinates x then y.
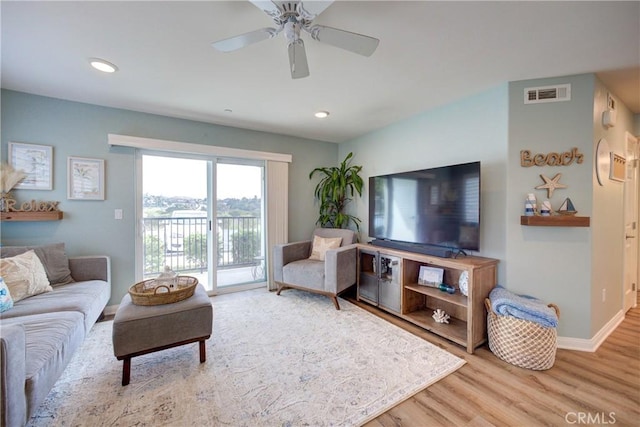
{"type": "Point", "coordinates": [24, 275]}
{"type": "Point", "coordinates": [321, 245]}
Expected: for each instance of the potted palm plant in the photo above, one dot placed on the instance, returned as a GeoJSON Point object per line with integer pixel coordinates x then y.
{"type": "Point", "coordinates": [337, 187]}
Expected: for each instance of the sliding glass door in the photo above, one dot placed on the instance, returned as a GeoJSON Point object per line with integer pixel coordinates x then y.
{"type": "Point", "coordinates": [202, 217]}
{"type": "Point", "coordinates": [239, 211]}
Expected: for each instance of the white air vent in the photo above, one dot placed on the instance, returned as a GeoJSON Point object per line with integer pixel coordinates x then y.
{"type": "Point", "coordinates": [537, 95]}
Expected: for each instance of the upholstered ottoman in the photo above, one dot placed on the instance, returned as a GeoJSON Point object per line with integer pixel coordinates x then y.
{"type": "Point", "coordinates": [139, 330]}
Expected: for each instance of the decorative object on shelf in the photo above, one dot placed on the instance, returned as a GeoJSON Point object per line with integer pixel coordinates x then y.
{"type": "Point", "coordinates": [447, 288]}
{"type": "Point", "coordinates": [545, 209]}
{"type": "Point", "coordinates": [440, 316]}
{"type": "Point", "coordinates": [531, 205]}
{"type": "Point", "coordinates": [85, 179]}
{"type": "Point", "coordinates": [567, 208]}
{"type": "Point", "coordinates": [618, 167]}
{"type": "Point", "coordinates": [603, 160]}
{"type": "Point", "coordinates": [36, 162]}
{"type": "Point", "coordinates": [31, 206]}
{"type": "Point", "coordinates": [550, 159]}
{"type": "Point", "coordinates": [551, 184]}
{"type": "Point", "coordinates": [463, 283]}
{"type": "Point", "coordinates": [430, 276]}
{"type": "Point", "coordinates": [9, 178]}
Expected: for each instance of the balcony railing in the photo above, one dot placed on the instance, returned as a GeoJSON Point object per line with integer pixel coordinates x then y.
{"type": "Point", "coordinates": [181, 243]}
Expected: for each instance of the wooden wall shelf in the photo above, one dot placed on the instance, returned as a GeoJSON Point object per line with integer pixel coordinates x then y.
{"type": "Point", "coordinates": [31, 216]}
{"type": "Point", "coordinates": [556, 221]}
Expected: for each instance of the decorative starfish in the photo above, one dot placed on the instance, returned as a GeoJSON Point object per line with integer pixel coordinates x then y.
{"type": "Point", "coordinates": [551, 184]}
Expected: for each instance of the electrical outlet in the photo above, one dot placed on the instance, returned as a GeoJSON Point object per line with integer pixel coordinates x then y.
{"type": "Point", "coordinates": [604, 295]}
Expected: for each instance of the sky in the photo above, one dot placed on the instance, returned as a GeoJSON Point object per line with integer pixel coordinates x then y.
{"type": "Point", "coordinates": [166, 176]}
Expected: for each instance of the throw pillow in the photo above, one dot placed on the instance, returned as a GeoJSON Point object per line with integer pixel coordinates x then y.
{"type": "Point", "coordinates": [53, 257]}
{"type": "Point", "coordinates": [24, 275]}
{"type": "Point", "coordinates": [322, 244]}
{"type": "Point", "coordinates": [5, 297]}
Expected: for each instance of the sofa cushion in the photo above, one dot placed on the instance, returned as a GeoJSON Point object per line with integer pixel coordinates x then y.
{"type": "Point", "coordinates": [89, 298]}
{"type": "Point", "coordinates": [305, 272]}
{"type": "Point", "coordinates": [51, 340]}
{"type": "Point", "coordinates": [24, 275]}
{"type": "Point", "coordinates": [53, 257]}
{"type": "Point", "coordinates": [321, 245]}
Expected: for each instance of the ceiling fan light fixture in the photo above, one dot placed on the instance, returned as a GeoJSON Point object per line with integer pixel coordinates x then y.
{"type": "Point", "coordinates": [102, 65]}
{"type": "Point", "coordinates": [322, 114]}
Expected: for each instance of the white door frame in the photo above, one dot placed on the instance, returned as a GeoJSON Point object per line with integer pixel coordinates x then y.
{"type": "Point", "coordinates": [631, 273]}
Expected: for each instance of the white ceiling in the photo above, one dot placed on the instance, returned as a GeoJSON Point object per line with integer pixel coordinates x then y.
{"type": "Point", "coordinates": [430, 54]}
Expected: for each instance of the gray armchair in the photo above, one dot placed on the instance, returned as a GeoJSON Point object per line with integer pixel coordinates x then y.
{"type": "Point", "coordinates": [292, 267]}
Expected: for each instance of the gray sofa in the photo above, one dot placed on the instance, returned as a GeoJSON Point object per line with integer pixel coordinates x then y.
{"type": "Point", "coordinates": [40, 334]}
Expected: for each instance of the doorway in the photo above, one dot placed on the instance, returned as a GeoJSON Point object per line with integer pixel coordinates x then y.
{"type": "Point", "coordinates": [202, 217]}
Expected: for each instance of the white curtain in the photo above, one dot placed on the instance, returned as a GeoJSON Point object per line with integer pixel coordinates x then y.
{"type": "Point", "coordinates": [277, 199]}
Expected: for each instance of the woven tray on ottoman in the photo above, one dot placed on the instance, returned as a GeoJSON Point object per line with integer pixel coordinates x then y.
{"type": "Point", "coordinates": [521, 342]}
{"type": "Point", "coordinates": [153, 292]}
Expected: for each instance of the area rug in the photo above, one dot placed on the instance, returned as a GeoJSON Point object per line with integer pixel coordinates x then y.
{"type": "Point", "coordinates": [288, 360]}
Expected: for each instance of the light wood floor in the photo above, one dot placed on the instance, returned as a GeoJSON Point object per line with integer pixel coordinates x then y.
{"type": "Point", "coordinates": [601, 388]}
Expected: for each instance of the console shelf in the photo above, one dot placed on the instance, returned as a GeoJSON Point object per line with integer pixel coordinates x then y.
{"type": "Point", "coordinates": [468, 323]}
{"type": "Point", "coordinates": [457, 298]}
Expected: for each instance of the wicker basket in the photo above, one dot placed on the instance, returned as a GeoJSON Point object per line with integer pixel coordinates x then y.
{"type": "Point", "coordinates": [521, 342]}
{"type": "Point", "coordinates": [148, 292]}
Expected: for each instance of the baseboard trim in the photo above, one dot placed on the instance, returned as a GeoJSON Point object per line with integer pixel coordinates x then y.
{"type": "Point", "coordinates": [592, 344]}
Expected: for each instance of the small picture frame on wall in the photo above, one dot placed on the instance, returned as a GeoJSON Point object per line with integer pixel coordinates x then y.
{"type": "Point", "coordinates": [35, 161]}
{"type": "Point", "coordinates": [618, 169]}
{"type": "Point", "coordinates": [85, 178]}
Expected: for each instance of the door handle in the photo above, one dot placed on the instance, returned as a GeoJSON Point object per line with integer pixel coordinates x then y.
{"type": "Point", "coordinates": [629, 236]}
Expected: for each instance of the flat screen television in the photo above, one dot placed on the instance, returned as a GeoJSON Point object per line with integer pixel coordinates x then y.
{"type": "Point", "coordinates": [434, 211]}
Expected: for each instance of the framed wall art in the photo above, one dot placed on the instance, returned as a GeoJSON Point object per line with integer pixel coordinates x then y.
{"type": "Point", "coordinates": [85, 180]}
{"type": "Point", "coordinates": [618, 167]}
{"type": "Point", "coordinates": [35, 161]}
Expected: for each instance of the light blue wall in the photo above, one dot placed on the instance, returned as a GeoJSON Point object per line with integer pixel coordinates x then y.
{"type": "Point", "coordinates": [76, 129]}
{"type": "Point", "coordinates": [539, 260]}
{"type": "Point", "coordinates": [469, 130]}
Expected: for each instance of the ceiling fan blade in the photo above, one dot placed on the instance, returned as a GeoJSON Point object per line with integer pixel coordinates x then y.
{"type": "Point", "coordinates": [298, 60]}
{"type": "Point", "coordinates": [237, 42]}
{"type": "Point", "coordinates": [310, 9]}
{"type": "Point", "coordinates": [356, 43]}
{"type": "Point", "coordinates": [268, 7]}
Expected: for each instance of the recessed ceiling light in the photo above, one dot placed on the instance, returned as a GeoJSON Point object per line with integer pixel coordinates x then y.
{"type": "Point", "coordinates": [102, 65]}
{"type": "Point", "coordinates": [322, 114]}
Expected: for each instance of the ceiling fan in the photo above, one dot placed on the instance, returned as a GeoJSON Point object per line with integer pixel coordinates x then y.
{"type": "Point", "coordinates": [292, 16]}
